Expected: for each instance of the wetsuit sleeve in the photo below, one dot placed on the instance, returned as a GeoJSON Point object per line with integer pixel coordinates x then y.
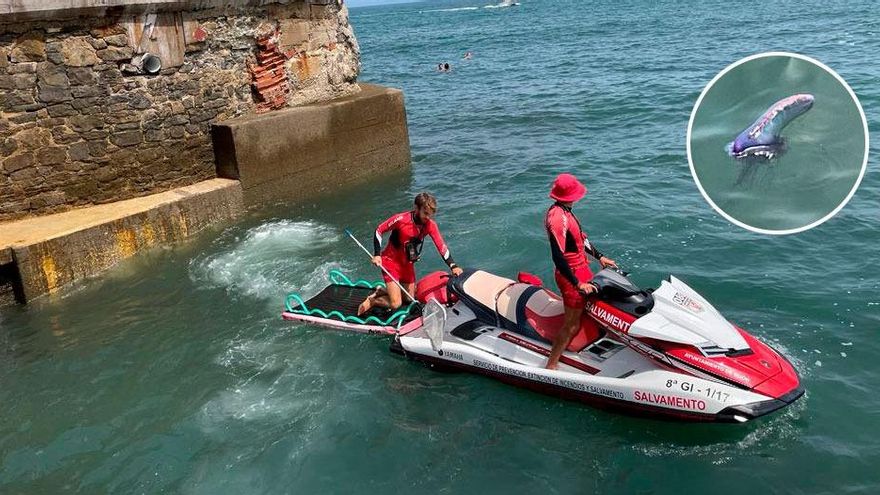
{"type": "Point", "coordinates": [557, 230]}
{"type": "Point", "coordinates": [590, 249]}
{"type": "Point", "coordinates": [441, 246]}
{"type": "Point", "coordinates": [381, 229]}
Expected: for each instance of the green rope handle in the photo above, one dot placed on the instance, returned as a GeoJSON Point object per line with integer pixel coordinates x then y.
{"type": "Point", "coordinates": [339, 278]}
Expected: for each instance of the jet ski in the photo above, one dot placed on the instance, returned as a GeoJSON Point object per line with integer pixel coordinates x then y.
{"type": "Point", "coordinates": [662, 353]}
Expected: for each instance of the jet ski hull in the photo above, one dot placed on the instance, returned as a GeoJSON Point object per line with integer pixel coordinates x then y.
{"type": "Point", "coordinates": [602, 399]}
{"type": "Point", "coordinates": [607, 374]}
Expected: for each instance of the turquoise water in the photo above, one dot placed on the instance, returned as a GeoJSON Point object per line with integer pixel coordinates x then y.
{"type": "Point", "coordinates": [825, 147]}
{"type": "Point", "coordinates": [173, 373]}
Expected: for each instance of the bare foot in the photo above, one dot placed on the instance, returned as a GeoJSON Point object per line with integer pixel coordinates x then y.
{"type": "Point", "coordinates": [551, 366]}
{"type": "Point", "coordinates": [366, 305]}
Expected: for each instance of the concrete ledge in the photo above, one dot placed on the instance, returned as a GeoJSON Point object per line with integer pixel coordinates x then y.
{"type": "Point", "coordinates": [303, 152]}
{"type": "Point", "coordinates": [51, 251]}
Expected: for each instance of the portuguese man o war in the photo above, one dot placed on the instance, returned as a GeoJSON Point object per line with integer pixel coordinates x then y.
{"type": "Point", "coordinates": [762, 139]}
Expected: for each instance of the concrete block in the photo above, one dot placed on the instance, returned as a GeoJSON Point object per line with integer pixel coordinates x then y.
{"type": "Point", "coordinates": [52, 251]}
{"type": "Point", "coordinates": [294, 33]}
{"type": "Point", "coordinates": [299, 153]}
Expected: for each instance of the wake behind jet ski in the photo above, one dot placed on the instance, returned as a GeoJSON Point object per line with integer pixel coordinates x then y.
{"type": "Point", "coordinates": [663, 353]}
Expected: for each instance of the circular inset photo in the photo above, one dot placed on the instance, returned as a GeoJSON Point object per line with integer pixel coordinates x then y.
{"type": "Point", "coordinates": [777, 143]}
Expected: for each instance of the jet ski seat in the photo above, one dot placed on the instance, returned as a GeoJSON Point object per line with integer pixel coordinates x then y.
{"type": "Point", "coordinates": [526, 309]}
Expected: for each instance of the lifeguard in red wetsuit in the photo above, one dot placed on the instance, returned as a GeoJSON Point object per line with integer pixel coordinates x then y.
{"type": "Point", "coordinates": [408, 231]}
{"type": "Point", "coordinates": [570, 247]}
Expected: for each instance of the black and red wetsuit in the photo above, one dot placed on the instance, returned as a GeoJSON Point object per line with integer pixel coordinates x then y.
{"type": "Point", "coordinates": [405, 229]}
{"type": "Point", "coordinates": [569, 247]}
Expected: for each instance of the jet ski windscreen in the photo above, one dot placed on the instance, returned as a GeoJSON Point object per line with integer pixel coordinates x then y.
{"type": "Point", "coordinates": [434, 323]}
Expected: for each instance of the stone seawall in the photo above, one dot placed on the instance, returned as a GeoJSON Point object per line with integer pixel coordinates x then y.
{"type": "Point", "coordinates": [321, 146]}
{"type": "Point", "coordinates": [83, 122]}
{"type": "Point", "coordinates": [117, 116]}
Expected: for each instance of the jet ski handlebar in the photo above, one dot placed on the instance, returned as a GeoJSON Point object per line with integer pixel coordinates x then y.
{"type": "Point", "coordinates": [600, 283]}
{"type": "Point", "coordinates": [613, 281]}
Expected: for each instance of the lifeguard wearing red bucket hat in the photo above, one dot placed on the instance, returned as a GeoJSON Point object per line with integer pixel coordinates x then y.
{"type": "Point", "coordinates": [567, 189]}
{"type": "Point", "coordinates": [569, 248]}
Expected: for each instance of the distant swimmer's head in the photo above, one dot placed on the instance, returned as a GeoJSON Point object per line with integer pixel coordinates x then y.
{"type": "Point", "coordinates": [446, 66]}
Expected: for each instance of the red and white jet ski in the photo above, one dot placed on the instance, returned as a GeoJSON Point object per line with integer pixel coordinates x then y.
{"type": "Point", "coordinates": [665, 352]}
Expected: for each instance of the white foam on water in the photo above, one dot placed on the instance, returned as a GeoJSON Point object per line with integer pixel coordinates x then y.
{"type": "Point", "coordinates": [246, 404]}
{"type": "Point", "coordinates": [270, 382]}
{"type": "Point", "coordinates": [265, 262]}
{"type": "Point", "coordinates": [253, 352]}
{"type": "Point", "coordinates": [291, 408]}
{"type": "Point", "coordinates": [254, 400]}
{"type": "Point", "coordinates": [270, 260]}
{"type": "Point", "coordinates": [269, 385]}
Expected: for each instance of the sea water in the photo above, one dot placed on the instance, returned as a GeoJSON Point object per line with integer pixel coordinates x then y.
{"type": "Point", "coordinates": [173, 372]}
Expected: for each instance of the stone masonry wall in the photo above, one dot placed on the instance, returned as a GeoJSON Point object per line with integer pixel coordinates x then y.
{"type": "Point", "coordinates": [80, 123]}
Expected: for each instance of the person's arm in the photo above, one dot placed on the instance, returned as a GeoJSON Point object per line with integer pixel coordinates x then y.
{"type": "Point", "coordinates": [556, 231]}
{"type": "Point", "coordinates": [381, 229]}
{"type": "Point", "coordinates": [441, 246]}
{"type": "Point", "coordinates": [590, 249]}
{"type": "Point", "coordinates": [603, 260]}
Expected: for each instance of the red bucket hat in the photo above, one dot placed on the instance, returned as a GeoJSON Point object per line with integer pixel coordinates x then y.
{"type": "Point", "coordinates": [567, 189]}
